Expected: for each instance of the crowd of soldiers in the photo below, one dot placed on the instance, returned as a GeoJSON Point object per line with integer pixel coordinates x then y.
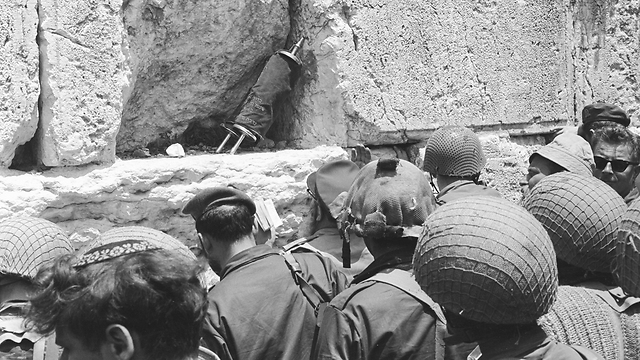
{"type": "Point", "coordinates": [403, 263]}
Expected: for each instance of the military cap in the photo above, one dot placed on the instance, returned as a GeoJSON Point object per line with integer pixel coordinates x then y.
{"type": "Point", "coordinates": [570, 151]}
{"type": "Point", "coordinates": [604, 112]}
{"type": "Point", "coordinates": [331, 180]}
{"type": "Point", "coordinates": [217, 196]}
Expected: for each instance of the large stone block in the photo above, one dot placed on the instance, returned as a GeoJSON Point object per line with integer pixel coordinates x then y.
{"type": "Point", "coordinates": [19, 82]}
{"type": "Point", "coordinates": [89, 200]}
{"type": "Point", "coordinates": [604, 37]}
{"type": "Point", "coordinates": [392, 71]}
{"type": "Point", "coordinates": [194, 62]}
{"type": "Point", "coordinates": [84, 74]}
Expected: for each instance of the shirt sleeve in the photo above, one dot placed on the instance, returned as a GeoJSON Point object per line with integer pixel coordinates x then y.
{"type": "Point", "coordinates": [337, 338]}
{"type": "Point", "coordinates": [213, 341]}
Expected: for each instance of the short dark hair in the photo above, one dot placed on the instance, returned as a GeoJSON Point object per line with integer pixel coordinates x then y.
{"type": "Point", "coordinates": [226, 222]}
{"type": "Point", "coordinates": [617, 135]}
{"type": "Point", "coordinates": [154, 293]}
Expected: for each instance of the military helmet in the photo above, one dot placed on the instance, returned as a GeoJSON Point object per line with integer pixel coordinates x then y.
{"type": "Point", "coordinates": [454, 151]}
{"type": "Point", "coordinates": [26, 243]}
{"type": "Point", "coordinates": [627, 268]}
{"type": "Point", "coordinates": [389, 198]}
{"type": "Point", "coordinates": [581, 215]}
{"type": "Point", "coordinates": [487, 260]}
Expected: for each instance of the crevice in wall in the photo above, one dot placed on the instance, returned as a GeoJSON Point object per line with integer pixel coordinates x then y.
{"type": "Point", "coordinates": [26, 155]}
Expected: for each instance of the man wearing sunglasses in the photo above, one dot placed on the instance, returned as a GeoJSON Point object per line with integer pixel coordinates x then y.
{"type": "Point", "coordinates": [616, 155]}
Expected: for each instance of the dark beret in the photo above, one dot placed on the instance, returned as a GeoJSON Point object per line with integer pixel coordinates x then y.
{"type": "Point", "coordinates": [604, 112]}
{"type": "Point", "coordinates": [217, 196]}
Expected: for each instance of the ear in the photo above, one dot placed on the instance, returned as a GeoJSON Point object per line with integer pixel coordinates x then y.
{"type": "Point", "coordinates": [119, 342]}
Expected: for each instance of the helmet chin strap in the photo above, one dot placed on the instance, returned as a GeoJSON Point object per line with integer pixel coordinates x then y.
{"type": "Point", "coordinates": [433, 186]}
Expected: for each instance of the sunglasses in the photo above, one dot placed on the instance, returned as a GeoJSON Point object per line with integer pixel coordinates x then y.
{"type": "Point", "coordinates": [616, 165]}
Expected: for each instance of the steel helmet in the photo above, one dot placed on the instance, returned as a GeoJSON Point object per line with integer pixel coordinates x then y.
{"type": "Point", "coordinates": [26, 243]}
{"type": "Point", "coordinates": [487, 260]}
{"type": "Point", "coordinates": [389, 198]}
{"type": "Point", "coordinates": [627, 269]}
{"type": "Point", "coordinates": [581, 215]}
{"type": "Point", "coordinates": [454, 151]}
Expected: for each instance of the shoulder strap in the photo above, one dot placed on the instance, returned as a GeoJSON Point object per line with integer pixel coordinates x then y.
{"type": "Point", "coordinates": [315, 299]}
{"type": "Point", "coordinates": [46, 348]}
{"type": "Point", "coordinates": [405, 281]}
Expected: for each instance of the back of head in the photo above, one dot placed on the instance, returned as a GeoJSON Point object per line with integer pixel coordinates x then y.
{"type": "Point", "coordinates": [132, 283]}
{"type": "Point", "coordinates": [454, 151]}
{"type": "Point", "coordinates": [603, 112]}
{"type": "Point", "coordinates": [487, 260]}
{"type": "Point", "coordinates": [223, 212]}
{"type": "Point", "coordinates": [26, 243]}
{"type": "Point", "coordinates": [330, 182]}
{"type": "Point", "coordinates": [571, 152]}
{"type": "Point", "coordinates": [389, 199]}
{"type": "Point", "coordinates": [581, 215]}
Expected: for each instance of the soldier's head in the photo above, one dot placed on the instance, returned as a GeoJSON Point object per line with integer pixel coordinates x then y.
{"type": "Point", "coordinates": [582, 216]}
{"type": "Point", "coordinates": [616, 152]}
{"type": "Point", "coordinates": [26, 243]}
{"type": "Point", "coordinates": [567, 152]}
{"type": "Point", "coordinates": [387, 203]}
{"type": "Point", "coordinates": [488, 263]}
{"type": "Point", "coordinates": [328, 187]}
{"type": "Point", "coordinates": [454, 152]}
{"type": "Point", "coordinates": [599, 115]}
{"type": "Point", "coordinates": [224, 215]}
{"type": "Point", "coordinates": [122, 300]}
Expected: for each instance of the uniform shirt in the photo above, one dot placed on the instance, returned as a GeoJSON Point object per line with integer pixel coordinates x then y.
{"type": "Point", "coordinates": [257, 311]}
{"type": "Point", "coordinates": [532, 344]}
{"type": "Point", "coordinates": [462, 189]}
{"type": "Point", "coordinates": [373, 320]}
{"type": "Point", "coordinates": [328, 243]}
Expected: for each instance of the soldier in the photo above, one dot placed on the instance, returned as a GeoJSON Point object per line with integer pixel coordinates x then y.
{"type": "Point", "coordinates": [265, 305]}
{"type": "Point", "coordinates": [616, 152]}
{"type": "Point", "coordinates": [26, 243]}
{"type": "Point", "coordinates": [567, 152]}
{"type": "Point", "coordinates": [123, 300]}
{"type": "Point", "coordinates": [384, 315]}
{"type": "Point", "coordinates": [491, 266]}
{"type": "Point", "coordinates": [328, 187]}
{"type": "Point", "coordinates": [455, 158]}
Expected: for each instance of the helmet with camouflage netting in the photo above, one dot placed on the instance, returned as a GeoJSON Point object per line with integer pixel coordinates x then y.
{"type": "Point", "coordinates": [488, 260]}
{"type": "Point", "coordinates": [454, 151]}
{"type": "Point", "coordinates": [627, 269]}
{"type": "Point", "coordinates": [581, 215]}
{"type": "Point", "coordinates": [390, 199]}
{"type": "Point", "coordinates": [26, 243]}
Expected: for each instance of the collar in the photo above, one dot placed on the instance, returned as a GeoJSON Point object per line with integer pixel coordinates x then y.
{"type": "Point", "coordinates": [399, 258]}
{"type": "Point", "coordinates": [514, 344]}
{"type": "Point", "coordinates": [327, 231]}
{"type": "Point", "coordinates": [246, 257]}
{"type": "Point", "coordinates": [454, 185]}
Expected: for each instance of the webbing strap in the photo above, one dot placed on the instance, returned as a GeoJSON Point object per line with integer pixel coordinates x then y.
{"type": "Point", "coordinates": [46, 348]}
{"type": "Point", "coordinates": [309, 292]}
{"type": "Point", "coordinates": [405, 281]}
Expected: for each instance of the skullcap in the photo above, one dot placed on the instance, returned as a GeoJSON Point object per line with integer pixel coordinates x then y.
{"type": "Point", "coordinates": [217, 196]}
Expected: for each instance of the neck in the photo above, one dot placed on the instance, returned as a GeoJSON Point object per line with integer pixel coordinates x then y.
{"type": "Point", "coordinates": [444, 181]}
{"type": "Point", "coordinates": [325, 223]}
{"type": "Point", "coordinates": [227, 250]}
{"type": "Point", "coordinates": [377, 248]}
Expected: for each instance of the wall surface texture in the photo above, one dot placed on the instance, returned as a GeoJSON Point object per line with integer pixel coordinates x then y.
{"type": "Point", "coordinates": [86, 82]}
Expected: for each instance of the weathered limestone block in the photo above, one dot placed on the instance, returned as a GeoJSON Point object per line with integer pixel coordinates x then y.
{"type": "Point", "coordinates": [194, 62]}
{"type": "Point", "coordinates": [84, 75]}
{"type": "Point", "coordinates": [392, 71]}
{"type": "Point", "coordinates": [151, 192]}
{"type": "Point", "coordinates": [19, 83]}
{"type": "Point", "coordinates": [606, 66]}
